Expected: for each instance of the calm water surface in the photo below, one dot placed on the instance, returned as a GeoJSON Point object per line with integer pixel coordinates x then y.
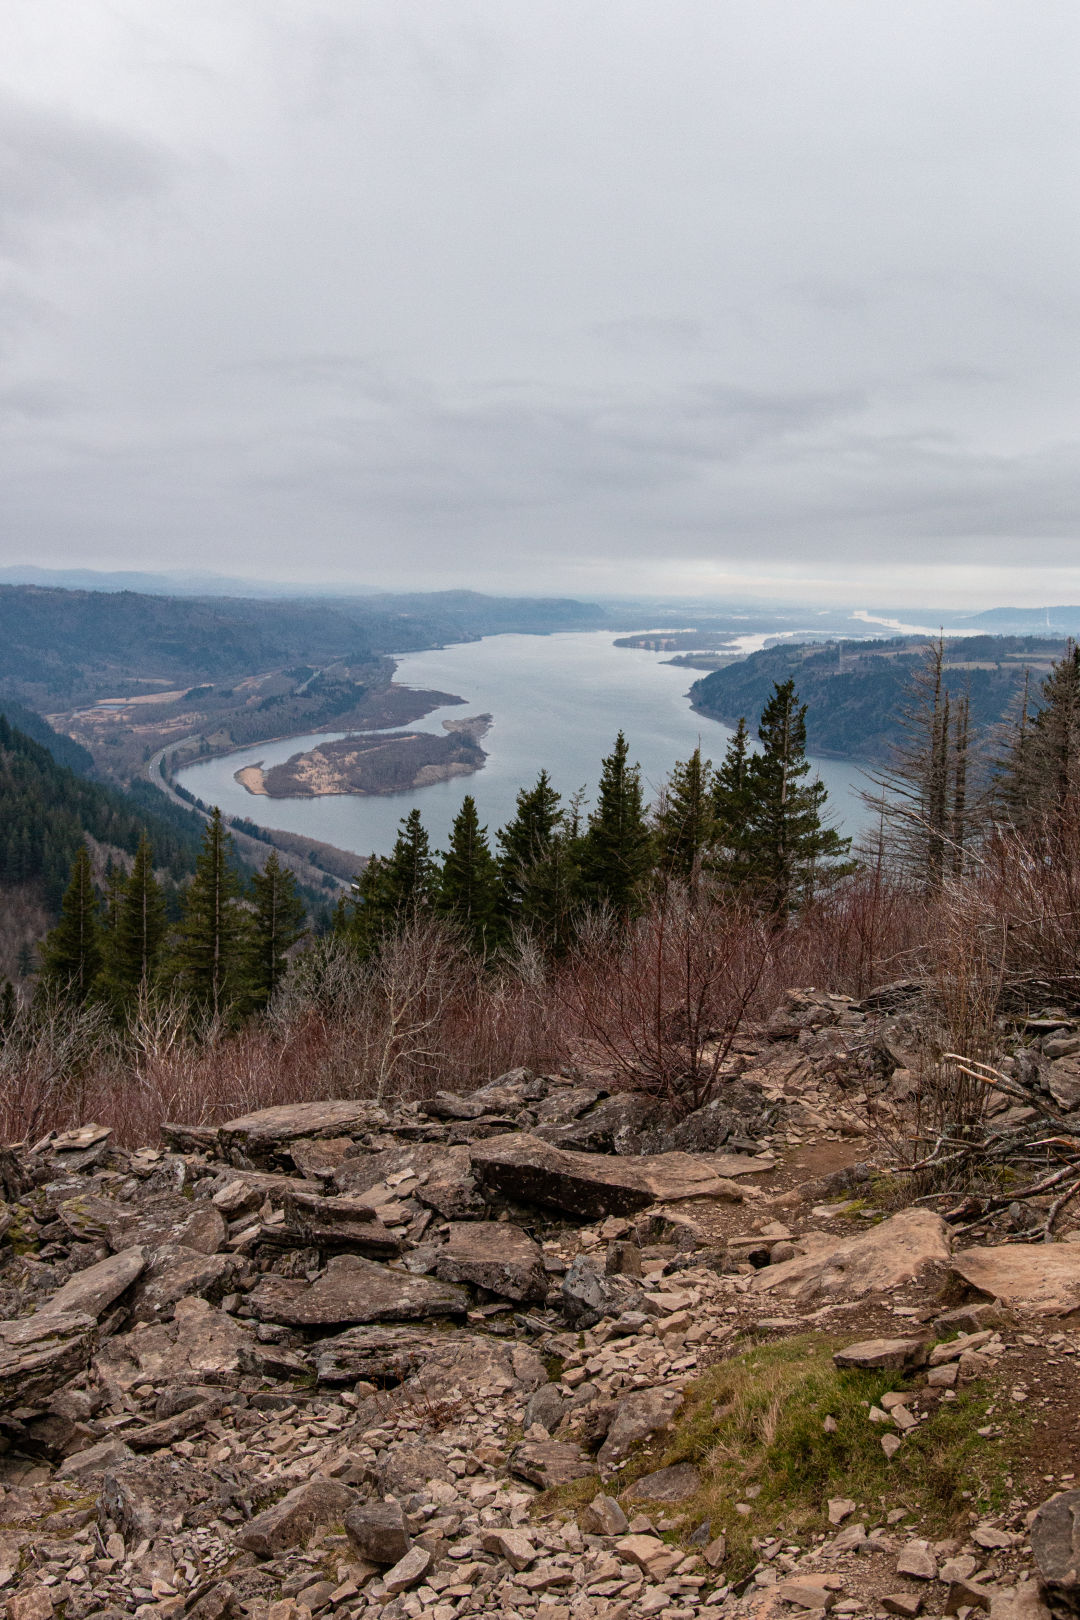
{"type": "Point", "coordinates": [557, 702]}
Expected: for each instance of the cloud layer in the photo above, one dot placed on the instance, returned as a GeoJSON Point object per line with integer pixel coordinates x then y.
{"type": "Point", "coordinates": [603, 298]}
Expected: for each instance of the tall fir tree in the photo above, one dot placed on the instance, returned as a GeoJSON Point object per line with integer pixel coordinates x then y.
{"type": "Point", "coordinates": [71, 956]}
{"type": "Point", "coordinates": [277, 922]}
{"type": "Point", "coordinates": [1041, 779]}
{"type": "Point", "coordinates": [685, 823]}
{"type": "Point", "coordinates": [732, 802]}
{"type": "Point", "coordinates": [211, 952]}
{"type": "Point", "coordinates": [616, 851]}
{"type": "Point", "coordinates": [469, 888]}
{"type": "Point", "coordinates": [533, 863]}
{"type": "Point", "coordinates": [408, 875]}
{"type": "Point", "coordinates": [788, 841]}
{"type": "Point", "coordinates": [138, 934]}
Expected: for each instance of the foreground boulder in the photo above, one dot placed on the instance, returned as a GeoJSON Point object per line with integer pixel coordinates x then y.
{"type": "Point", "coordinates": [636, 1417]}
{"type": "Point", "coordinates": [886, 1256]}
{"type": "Point", "coordinates": [496, 1256]}
{"type": "Point", "coordinates": [257, 1138]}
{"type": "Point", "coordinates": [290, 1522]}
{"type": "Point", "coordinates": [352, 1289]}
{"type": "Point", "coordinates": [1043, 1278]}
{"type": "Point", "coordinates": [1055, 1542]}
{"type": "Point", "coordinates": [40, 1353]}
{"type": "Point", "coordinates": [588, 1294]}
{"type": "Point", "coordinates": [92, 1291]}
{"type": "Point", "coordinates": [530, 1170]}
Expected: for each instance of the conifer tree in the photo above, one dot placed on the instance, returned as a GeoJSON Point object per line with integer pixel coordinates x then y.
{"type": "Point", "coordinates": [685, 822]}
{"type": "Point", "coordinates": [469, 888]}
{"type": "Point", "coordinates": [362, 919]}
{"type": "Point", "coordinates": [71, 955]}
{"type": "Point", "coordinates": [616, 850]}
{"type": "Point", "coordinates": [138, 934]}
{"type": "Point", "coordinates": [408, 876]}
{"type": "Point", "coordinates": [537, 875]}
{"type": "Point", "coordinates": [211, 954]}
{"type": "Point", "coordinates": [9, 1009]}
{"type": "Point", "coordinates": [732, 801]}
{"type": "Point", "coordinates": [1041, 779]}
{"type": "Point", "coordinates": [277, 923]}
{"type": "Point", "coordinates": [787, 840]}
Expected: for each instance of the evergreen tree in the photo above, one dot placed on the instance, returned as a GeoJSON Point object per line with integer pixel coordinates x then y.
{"type": "Point", "coordinates": [277, 924]}
{"type": "Point", "coordinates": [363, 918]}
{"type": "Point", "coordinates": [535, 866]}
{"type": "Point", "coordinates": [786, 838]}
{"type": "Point", "coordinates": [71, 956]}
{"type": "Point", "coordinates": [685, 823]}
{"type": "Point", "coordinates": [1041, 778]}
{"type": "Point", "coordinates": [25, 963]}
{"type": "Point", "coordinates": [616, 851]}
{"type": "Point", "coordinates": [9, 1009]}
{"type": "Point", "coordinates": [211, 954]}
{"type": "Point", "coordinates": [408, 876]}
{"type": "Point", "coordinates": [732, 801]}
{"type": "Point", "coordinates": [138, 934]}
{"type": "Point", "coordinates": [469, 881]}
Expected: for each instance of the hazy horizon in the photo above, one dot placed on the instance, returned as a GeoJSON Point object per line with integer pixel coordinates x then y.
{"type": "Point", "coordinates": [728, 302]}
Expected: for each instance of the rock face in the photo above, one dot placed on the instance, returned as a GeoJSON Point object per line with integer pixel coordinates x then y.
{"type": "Point", "coordinates": [885, 1257]}
{"type": "Point", "coordinates": [1040, 1277]}
{"type": "Point", "coordinates": [496, 1256]}
{"type": "Point", "coordinates": [354, 1290]}
{"type": "Point", "coordinates": [257, 1138]}
{"type": "Point", "coordinates": [1055, 1542]}
{"type": "Point", "coordinates": [531, 1170]}
{"type": "Point", "coordinates": [93, 1290]}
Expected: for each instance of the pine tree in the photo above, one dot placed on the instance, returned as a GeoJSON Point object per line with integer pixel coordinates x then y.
{"type": "Point", "coordinates": [685, 822]}
{"type": "Point", "coordinates": [535, 867]}
{"type": "Point", "coordinates": [408, 876]}
{"type": "Point", "coordinates": [787, 840]}
{"type": "Point", "coordinates": [732, 801]}
{"type": "Point", "coordinates": [469, 881]}
{"type": "Point", "coordinates": [213, 933]}
{"type": "Point", "coordinates": [1042, 776]}
{"type": "Point", "coordinates": [616, 851]}
{"type": "Point", "coordinates": [276, 925]}
{"type": "Point", "coordinates": [365, 916]}
{"type": "Point", "coordinates": [71, 955]}
{"type": "Point", "coordinates": [138, 934]}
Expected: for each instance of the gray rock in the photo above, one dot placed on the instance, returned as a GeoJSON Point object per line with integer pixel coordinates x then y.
{"type": "Point", "coordinates": [879, 1353]}
{"type": "Point", "coordinates": [257, 1138]}
{"type": "Point", "coordinates": [550, 1462]}
{"type": "Point", "coordinates": [409, 1571]}
{"type": "Point", "coordinates": [40, 1353]}
{"type": "Point", "coordinates": [613, 1123]}
{"type": "Point", "coordinates": [290, 1522]}
{"type": "Point", "coordinates": [1055, 1542]}
{"type": "Point", "coordinates": [604, 1517]}
{"type": "Point", "coordinates": [379, 1531]}
{"type": "Point", "coordinates": [352, 1289]}
{"type": "Point", "coordinates": [674, 1484]}
{"type": "Point", "coordinates": [496, 1256]}
{"type": "Point", "coordinates": [589, 1294]}
{"type": "Point", "coordinates": [407, 1467]}
{"type": "Point", "coordinates": [637, 1416]}
{"type": "Point", "coordinates": [312, 1221]}
{"type": "Point", "coordinates": [92, 1291]}
{"type": "Point", "coordinates": [205, 1231]}
{"type": "Point", "coordinates": [96, 1459]}
{"type": "Point", "coordinates": [546, 1407]}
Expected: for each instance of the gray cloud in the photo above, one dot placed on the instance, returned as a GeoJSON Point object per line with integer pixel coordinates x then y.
{"type": "Point", "coordinates": [530, 297]}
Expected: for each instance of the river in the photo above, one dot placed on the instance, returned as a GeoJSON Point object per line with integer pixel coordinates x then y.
{"type": "Point", "coordinates": [557, 701]}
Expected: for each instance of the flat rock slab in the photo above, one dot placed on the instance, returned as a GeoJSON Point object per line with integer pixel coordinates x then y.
{"type": "Point", "coordinates": [674, 1484]}
{"type": "Point", "coordinates": [884, 1257]}
{"type": "Point", "coordinates": [40, 1353]}
{"type": "Point", "coordinates": [352, 1289]}
{"type": "Point", "coordinates": [1043, 1278]}
{"type": "Point", "coordinates": [200, 1345]}
{"type": "Point", "coordinates": [175, 1272]}
{"type": "Point", "coordinates": [258, 1136]}
{"type": "Point", "coordinates": [550, 1462]}
{"type": "Point", "coordinates": [494, 1255]}
{"type": "Point", "coordinates": [93, 1290]}
{"type": "Point", "coordinates": [532, 1171]}
{"type": "Point", "coordinates": [895, 1354]}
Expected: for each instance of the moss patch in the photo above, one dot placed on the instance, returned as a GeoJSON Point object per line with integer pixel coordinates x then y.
{"type": "Point", "coordinates": [754, 1426]}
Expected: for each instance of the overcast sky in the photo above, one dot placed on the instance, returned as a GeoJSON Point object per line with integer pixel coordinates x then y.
{"type": "Point", "coordinates": [579, 295]}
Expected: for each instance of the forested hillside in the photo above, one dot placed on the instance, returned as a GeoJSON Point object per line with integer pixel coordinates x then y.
{"type": "Point", "coordinates": [855, 691]}
{"type": "Point", "coordinates": [46, 811]}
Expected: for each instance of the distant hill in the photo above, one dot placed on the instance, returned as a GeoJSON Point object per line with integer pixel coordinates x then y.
{"type": "Point", "coordinates": [65, 750]}
{"type": "Point", "coordinates": [855, 691]}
